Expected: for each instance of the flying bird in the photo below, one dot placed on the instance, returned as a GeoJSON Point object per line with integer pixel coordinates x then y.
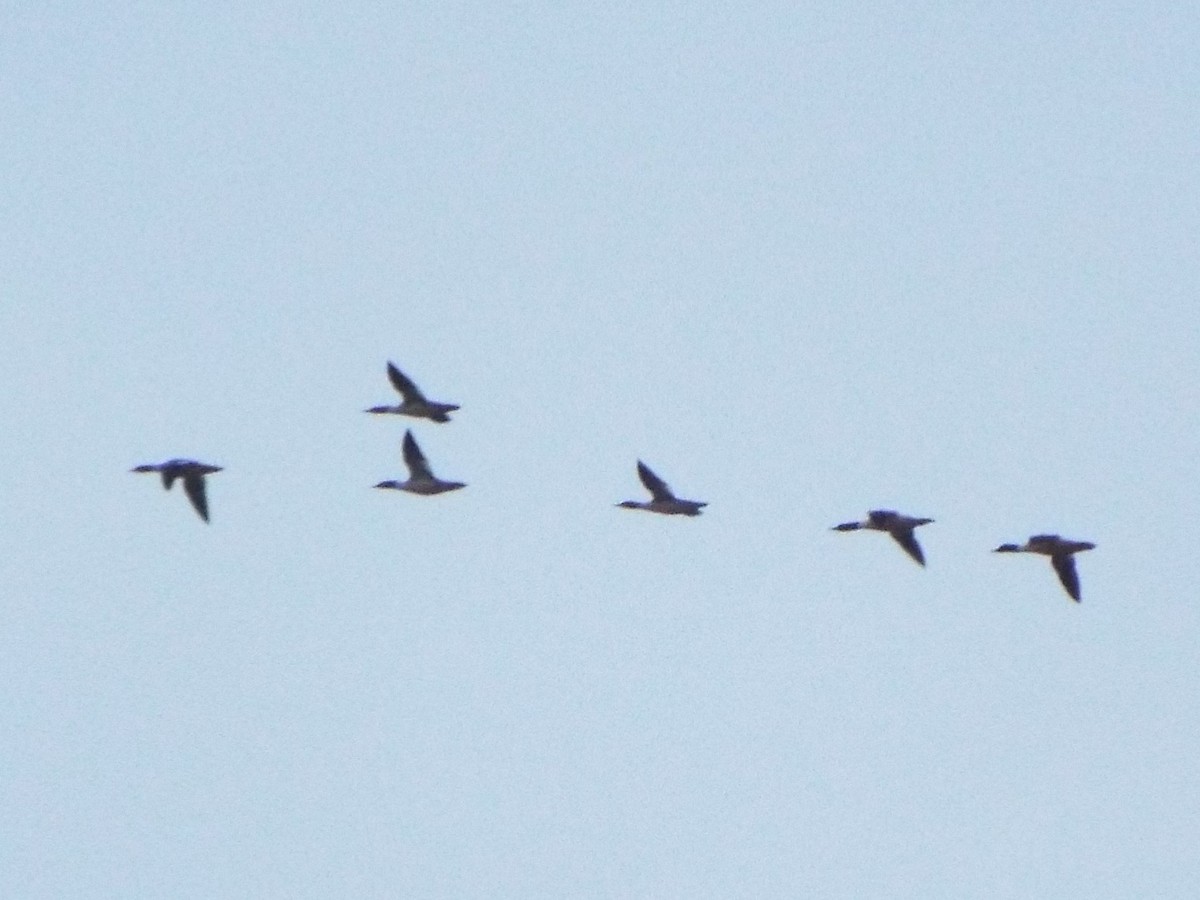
{"type": "Point", "coordinates": [900, 527]}
{"type": "Point", "coordinates": [421, 479]}
{"type": "Point", "coordinates": [1062, 556]}
{"type": "Point", "coordinates": [662, 500]}
{"type": "Point", "coordinates": [191, 472]}
{"type": "Point", "coordinates": [413, 402]}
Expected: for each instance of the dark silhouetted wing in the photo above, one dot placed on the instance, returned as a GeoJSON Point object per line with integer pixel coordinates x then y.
{"type": "Point", "coordinates": [908, 541]}
{"type": "Point", "coordinates": [418, 466]}
{"type": "Point", "coordinates": [656, 486]}
{"type": "Point", "coordinates": [193, 485]}
{"type": "Point", "coordinates": [1064, 565]}
{"type": "Point", "coordinates": [404, 385]}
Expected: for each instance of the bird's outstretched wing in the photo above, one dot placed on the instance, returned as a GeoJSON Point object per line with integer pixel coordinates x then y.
{"type": "Point", "coordinates": [418, 466]}
{"type": "Point", "coordinates": [908, 541]}
{"type": "Point", "coordinates": [404, 385]}
{"type": "Point", "coordinates": [193, 485]}
{"type": "Point", "coordinates": [656, 486]}
{"type": "Point", "coordinates": [1064, 565]}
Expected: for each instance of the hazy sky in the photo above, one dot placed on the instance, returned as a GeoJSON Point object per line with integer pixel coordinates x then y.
{"type": "Point", "coordinates": [803, 259]}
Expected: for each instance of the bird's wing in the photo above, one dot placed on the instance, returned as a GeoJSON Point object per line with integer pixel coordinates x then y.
{"type": "Point", "coordinates": [418, 466]}
{"type": "Point", "coordinates": [908, 541]}
{"type": "Point", "coordinates": [193, 485]}
{"type": "Point", "coordinates": [656, 486]}
{"type": "Point", "coordinates": [404, 385]}
{"type": "Point", "coordinates": [1064, 565]}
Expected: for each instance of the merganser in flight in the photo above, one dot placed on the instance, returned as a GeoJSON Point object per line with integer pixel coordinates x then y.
{"type": "Point", "coordinates": [1061, 552]}
{"type": "Point", "coordinates": [662, 499]}
{"type": "Point", "coordinates": [420, 479]}
{"type": "Point", "coordinates": [413, 402]}
{"type": "Point", "coordinates": [191, 472]}
{"type": "Point", "coordinates": [898, 526]}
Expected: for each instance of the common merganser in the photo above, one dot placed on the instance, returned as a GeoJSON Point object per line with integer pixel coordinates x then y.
{"type": "Point", "coordinates": [413, 402]}
{"type": "Point", "coordinates": [1061, 552]}
{"type": "Point", "coordinates": [662, 499]}
{"type": "Point", "coordinates": [191, 472]}
{"type": "Point", "coordinates": [898, 526]}
{"type": "Point", "coordinates": [420, 479]}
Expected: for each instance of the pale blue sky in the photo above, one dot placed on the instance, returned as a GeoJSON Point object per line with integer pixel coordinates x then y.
{"type": "Point", "coordinates": [802, 259]}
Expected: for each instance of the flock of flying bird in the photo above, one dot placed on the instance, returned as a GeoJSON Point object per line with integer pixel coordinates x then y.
{"type": "Point", "coordinates": [421, 480]}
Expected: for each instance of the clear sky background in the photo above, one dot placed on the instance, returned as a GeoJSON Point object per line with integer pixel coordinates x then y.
{"type": "Point", "coordinates": [804, 259]}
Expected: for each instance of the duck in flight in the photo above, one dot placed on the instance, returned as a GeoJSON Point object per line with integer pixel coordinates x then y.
{"type": "Point", "coordinates": [421, 479]}
{"type": "Point", "coordinates": [412, 401]}
{"type": "Point", "coordinates": [662, 500]}
{"type": "Point", "coordinates": [900, 527]}
{"type": "Point", "coordinates": [1062, 556]}
{"type": "Point", "coordinates": [191, 472]}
